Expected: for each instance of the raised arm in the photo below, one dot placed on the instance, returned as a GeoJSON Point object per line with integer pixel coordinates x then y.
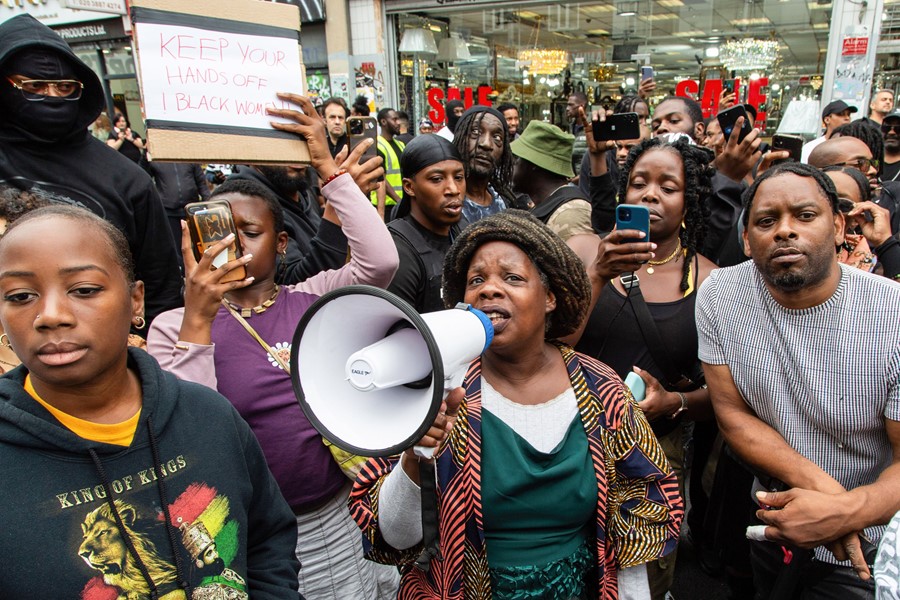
{"type": "Point", "coordinates": [373, 256]}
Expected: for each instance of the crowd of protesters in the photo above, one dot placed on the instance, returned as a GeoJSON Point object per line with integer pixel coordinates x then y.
{"type": "Point", "coordinates": [152, 445]}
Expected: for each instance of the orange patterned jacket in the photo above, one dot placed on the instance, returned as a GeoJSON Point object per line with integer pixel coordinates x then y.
{"type": "Point", "coordinates": [631, 468]}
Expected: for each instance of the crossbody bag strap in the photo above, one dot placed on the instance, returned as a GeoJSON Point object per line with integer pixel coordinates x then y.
{"type": "Point", "coordinates": [278, 360]}
{"type": "Point", "coordinates": [650, 333]}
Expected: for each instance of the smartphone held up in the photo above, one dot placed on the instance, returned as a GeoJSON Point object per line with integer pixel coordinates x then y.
{"type": "Point", "coordinates": [360, 129]}
{"type": "Point", "coordinates": [209, 223]}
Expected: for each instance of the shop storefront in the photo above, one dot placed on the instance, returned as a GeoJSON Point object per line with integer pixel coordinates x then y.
{"type": "Point", "coordinates": [535, 54]}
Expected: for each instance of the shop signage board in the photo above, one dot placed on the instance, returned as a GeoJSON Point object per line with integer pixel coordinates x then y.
{"type": "Point", "coordinates": [115, 7]}
{"type": "Point", "coordinates": [206, 81]}
{"type": "Point", "coordinates": [92, 31]}
{"type": "Point", "coordinates": [48, 12]}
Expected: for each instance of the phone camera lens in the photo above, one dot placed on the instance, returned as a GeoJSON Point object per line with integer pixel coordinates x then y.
{"type": "Point", "coordinates": [356, 128]}
{"type": "Point", "coordinates": [626, 214]}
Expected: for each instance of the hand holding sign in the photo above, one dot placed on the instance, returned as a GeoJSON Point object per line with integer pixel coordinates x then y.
{"type": "Point", "coordinates": [207, 82]}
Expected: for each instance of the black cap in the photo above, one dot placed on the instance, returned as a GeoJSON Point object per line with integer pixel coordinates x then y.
{"type": "Point", "coordinates": [894, 114]}
{"type": "Point", "coordinates": [837, 106]}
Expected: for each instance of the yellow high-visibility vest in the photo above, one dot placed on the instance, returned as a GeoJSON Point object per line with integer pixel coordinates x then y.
{"type": "Point", "coordinates": [391, 170]}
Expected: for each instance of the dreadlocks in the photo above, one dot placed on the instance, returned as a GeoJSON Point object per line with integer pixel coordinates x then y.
{"type": "Point", "coordinates": [826, 186]}
{"type": "Point", "coordinates": [501, 178]}
{"type": "Point", "coordinates": [561, 270]}
{"type": "Point", "coordinates": [697, 190]}
{"type": "Point", "coordinates": [867, 133]}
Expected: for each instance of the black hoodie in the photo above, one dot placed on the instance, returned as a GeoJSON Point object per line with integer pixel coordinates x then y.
{"type": "Point", "coordinates": [314, 244]}
{"type": "Point", "coordinates": [74, 168]}
{"type": "Point", "coordinates": [231, 528]}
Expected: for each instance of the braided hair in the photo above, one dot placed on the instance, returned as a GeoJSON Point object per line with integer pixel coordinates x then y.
{"type": "Point", "coordinates": [697, 191]}
{"type": "Point", "coordinates": [628, 103]}
{"type": "Point", "coordinates": [862, 182]}
{"type": "Point", "coordinates": [562, 272]}
{"type": "Point", "coordinates": [501, 178]}
{"type": "Point", "coordinates": [826, 186]}
{"type": "Point", "coordinates": [867, 133]}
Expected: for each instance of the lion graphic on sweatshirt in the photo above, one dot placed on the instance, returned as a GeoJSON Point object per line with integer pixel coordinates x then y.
{"type": "Point", "coordinates": [104, 549]}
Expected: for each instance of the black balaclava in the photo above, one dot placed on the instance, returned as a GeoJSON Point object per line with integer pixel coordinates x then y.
{"type": "Point", "coordinates": [452, 119]}
{"type": "Point", "coordinates": [52, 118]}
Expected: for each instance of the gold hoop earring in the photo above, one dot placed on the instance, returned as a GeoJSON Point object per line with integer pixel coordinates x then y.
{"type": "Point", "coordinates": [139, 322]}
{"type": "Point", "coordinates": [4, 340]}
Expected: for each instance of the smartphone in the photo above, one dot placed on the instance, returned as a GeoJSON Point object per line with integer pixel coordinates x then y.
{"type": "Point", "coordinates": [363, 128]}
{"type": "Point", "coordinates": [633, 216]}
{"type": "Point", "coordinates": [791, 143]}
{"type": "Point", "coordinates": [622, 126]}
{"type": "Point", "coordinates": [208, 223]}
{"type": "Point", "coordinates": [646, 73]}
{"type": "Point", "coordinates": [728, 85]}
{"type": "Point", "coordinates": [728, 118]}
{"type": "Point", "coordinates": [636, 385]}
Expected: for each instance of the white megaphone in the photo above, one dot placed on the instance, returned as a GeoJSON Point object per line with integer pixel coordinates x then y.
{"type": "Point", "coordinates": [370, 372]}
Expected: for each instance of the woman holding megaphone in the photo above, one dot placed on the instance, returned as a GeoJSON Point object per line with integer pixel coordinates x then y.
{"type": "Point", "coordinates": [550, 482]}
{"type": "Point", "coordinates": [235, 336]}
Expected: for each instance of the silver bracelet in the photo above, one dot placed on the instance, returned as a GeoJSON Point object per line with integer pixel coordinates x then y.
{"type": "Point", "coordinates": [683, 408]}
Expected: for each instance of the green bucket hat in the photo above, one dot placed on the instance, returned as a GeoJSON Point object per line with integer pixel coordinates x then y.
{"type": "Point", "coordinates": [546, 146]}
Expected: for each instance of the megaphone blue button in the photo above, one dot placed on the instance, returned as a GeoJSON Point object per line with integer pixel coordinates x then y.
{"type": "Point", "coordinates": [488, 326]}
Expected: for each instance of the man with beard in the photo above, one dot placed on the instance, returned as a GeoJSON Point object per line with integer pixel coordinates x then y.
{"type": "Point", "coordinates": [315, 244]}
{"type": "Point", "coordinates": [48, 97]}
{"type": "Point", "coordinates": [453, 110]}
{"type": "Point", "coordinates": [482, 140]}
{"type": "Point", "coordinates": [802, 360]}
{"type": "Point", "coordinates": [848, 151]}
{"type": "Point", "coordinates": [390, 150]}
{"type": "Point", "coordinates": [890, 129]}
{"type": "Point", "coordinates": [511, 114]}
{"type": "Point", "coordinates": [336, 113]}
{"type": "Point", "coordinates": [881, 105]}
{"type": "Point", "coordinates": [427, 220]}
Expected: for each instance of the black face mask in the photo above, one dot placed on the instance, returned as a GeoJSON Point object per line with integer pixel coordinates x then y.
{"type": "Point", "coordinates": [49, 119]}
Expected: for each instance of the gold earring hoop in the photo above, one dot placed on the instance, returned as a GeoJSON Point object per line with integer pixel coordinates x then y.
{"type": "Point", "coordinates": [4, 340]}
{"type": "Point", "coordinates": [139, 322]}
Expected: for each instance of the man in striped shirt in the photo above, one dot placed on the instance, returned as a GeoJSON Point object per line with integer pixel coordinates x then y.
{"type": "Point", "coordinates": [802, 359]}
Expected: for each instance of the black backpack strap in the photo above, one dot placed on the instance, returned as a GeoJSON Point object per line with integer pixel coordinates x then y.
{"type": "Point", "coordinates": [650, 333]}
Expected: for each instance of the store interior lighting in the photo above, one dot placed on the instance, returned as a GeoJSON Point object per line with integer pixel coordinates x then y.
{"type": "Point", "coordinates": [418, 41]}
{"type": "Point", "coordinates": [627, 9]}
{"type": "Point", "coordinates": [452, 49]}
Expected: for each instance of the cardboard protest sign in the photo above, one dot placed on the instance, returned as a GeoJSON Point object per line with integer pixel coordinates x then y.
{"type": "Point", "coordinates": [206, 81]}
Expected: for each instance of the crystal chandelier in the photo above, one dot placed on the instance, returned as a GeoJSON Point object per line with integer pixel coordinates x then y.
{"type": "Point", "coordinates": [749, 54]}
{"type": "Point", "coordinates": [543, 61]}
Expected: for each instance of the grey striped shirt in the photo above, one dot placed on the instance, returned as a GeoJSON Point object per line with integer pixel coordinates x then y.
{"type": "Point", "coordinates": [825, 378]}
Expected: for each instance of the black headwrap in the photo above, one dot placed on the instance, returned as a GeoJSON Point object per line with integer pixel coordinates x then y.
{"type": "Point", "coordinates": [423, 151]}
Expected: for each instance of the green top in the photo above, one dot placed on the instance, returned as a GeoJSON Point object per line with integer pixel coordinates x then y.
{"type": "Point", "coordinates": [538, 507]}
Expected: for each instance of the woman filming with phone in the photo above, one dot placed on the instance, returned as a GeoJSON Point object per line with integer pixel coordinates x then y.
{"type": "Point", "coordinates": [235, 337]}
{"type": "Point", "coordinates": [645, 289]}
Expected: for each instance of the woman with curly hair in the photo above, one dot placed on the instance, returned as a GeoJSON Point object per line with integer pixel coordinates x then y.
{"type": "Point", "coordinates": [550, 483]}
{"type": "Point", "coordinates": [643, 320]}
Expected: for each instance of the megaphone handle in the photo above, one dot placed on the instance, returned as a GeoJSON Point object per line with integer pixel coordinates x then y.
{"type": "Point", "coordinates": [430, 532]}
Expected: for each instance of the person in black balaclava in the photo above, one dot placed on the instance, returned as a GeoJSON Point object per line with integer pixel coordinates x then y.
{"type": "Point", "coordinates": [454, 109]}
{"type": "Point", "coordinates": [46, 148]}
